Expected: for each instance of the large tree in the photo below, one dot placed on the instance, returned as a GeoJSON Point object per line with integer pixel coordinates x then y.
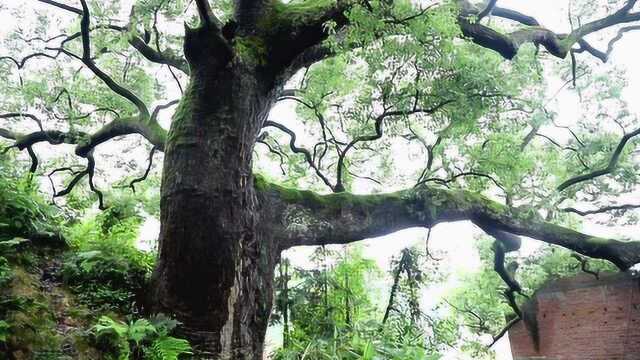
{"type": "Point", "coordinates": [359, 72]}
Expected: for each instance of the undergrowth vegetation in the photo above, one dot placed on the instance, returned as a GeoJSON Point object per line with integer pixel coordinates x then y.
{"type": "Point", "coordinates": [140, 339]}
{"type": "Point", "coordinates": [105, 270]}
{"type": "Point", "coordinates": [69, 278]}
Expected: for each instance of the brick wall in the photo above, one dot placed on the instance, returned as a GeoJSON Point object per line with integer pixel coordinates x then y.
{"type": "Point", "coordinates": [582, 318]}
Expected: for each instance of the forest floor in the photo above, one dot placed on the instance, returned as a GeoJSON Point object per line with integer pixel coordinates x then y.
{"type": "Point", "coordinates": [46, 320]}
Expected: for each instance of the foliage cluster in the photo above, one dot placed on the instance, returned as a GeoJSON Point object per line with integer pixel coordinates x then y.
{"type": "Point", "coordinates": [105, 270]}
{"type": "Point", "coordinates": [140, 339]}
{"type": "Point", "coordinates": [23, 210]}
{"type": "Point", "coordinates": [335, 311]}
{"type": "Point", "coordinates": [23, 213]}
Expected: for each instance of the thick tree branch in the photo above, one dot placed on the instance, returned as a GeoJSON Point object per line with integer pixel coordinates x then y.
{"type": "Point", "coordinates": [487, 10]}
{"type": "Point", "coordinates": [296, 32]}
{"type": "Point", "coordinates": [54, 137]}
{"type": "Point", "coordinates": [207, 18]}
{"type": "Point", "coordinates": [166, 57]}
{"type": "Point", "coordinates": [125, 126]}
{"type": "Point", "coordinates": [558, 45]}
{"type": "Point", "coordinates": [295, 40]}
{"type": "Point", "coordinates": [306, 218]}
{"type": "Point", "coordinates": [34, 159]}
{"type": "Point", "coordinates": [85, 141]}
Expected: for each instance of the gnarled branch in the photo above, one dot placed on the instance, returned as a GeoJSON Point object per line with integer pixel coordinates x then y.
{"type": "Point", "coordinates": [558, 45]}
{"type": "Point", "coordinates": [613, 162]}
{"type": "Point", "coordinates": [85, 23]}
{"type": "Point", "coordinates": [299, 150]}
{"type": "Point", "coordinates": [306, 218]}
{"type": "Point", "coordinates": [601, 210]}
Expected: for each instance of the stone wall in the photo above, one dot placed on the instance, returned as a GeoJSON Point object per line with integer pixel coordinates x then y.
{"type": "Point", "coordinates": [581, 318]}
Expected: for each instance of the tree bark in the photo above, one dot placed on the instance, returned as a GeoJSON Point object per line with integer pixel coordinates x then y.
{"type": "Point", "coordinates": [216, 266]}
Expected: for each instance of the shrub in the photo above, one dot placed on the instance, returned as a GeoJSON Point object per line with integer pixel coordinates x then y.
{"type": "Point", "coordinates": [140, 339]}
{"type": "Point", "coordinates": [23, 211]}
{"type": "Point", "coordinates": [105, 270]}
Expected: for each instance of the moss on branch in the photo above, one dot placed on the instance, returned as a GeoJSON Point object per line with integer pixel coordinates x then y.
{"type": "Point", "coordinates": [251, 50]}
{"type": "Point", "coordinates": [283, 16]}
{"type": "Point", "coordinates": [348, 217]}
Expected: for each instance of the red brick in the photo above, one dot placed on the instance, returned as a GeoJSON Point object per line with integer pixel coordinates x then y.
{"type": "Point", "coordinates": [581, 318]}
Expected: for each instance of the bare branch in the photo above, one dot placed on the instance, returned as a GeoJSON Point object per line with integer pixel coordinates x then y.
{"type": "Point", "coordinates": [601, 210]}
{"type": "Point", "coordinates": [299, 150]}
{"type": "Point", "coordinates": [276, 152]}
{"type": "Point", "coordinates": [504, 330]}
{"type": "Point", "coordinates": [156, 111]}
{"type": "Point", "coordinates": [53, 186]}
{"type": "Point", "coordinates": [72, 184]}
{"type": "Point", "coordinates": [462, 174]}
{"type": "Point", "coordinates": [584, 265]}
{"type": "Point", "coordinates": [613, 162]}
{"type": "Point", "coordinates": [146, 172]}
{"type": "Point", "coordinates": [378, 123]}
{"type": "Point", "coordinates": [91, 166]}
{"type": "Point", "coordinates": [62, 6]}
{"type": "Point", "coordinates": [21, 63]}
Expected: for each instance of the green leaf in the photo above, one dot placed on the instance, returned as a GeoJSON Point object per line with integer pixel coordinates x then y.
{"type": "Point", "coordinates": [168, 348]}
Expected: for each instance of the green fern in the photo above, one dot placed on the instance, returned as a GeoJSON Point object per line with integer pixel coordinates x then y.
{"type": "Point", "coordinates": [140, 330]}
{"type": "Point", "coordinates": [114, 333]}
{"type": "Point", "coordinates": [4, 331]}
{"type": "Point", "coordinates": [167, 348]}
{"type": "Point", "coordinates": [141, 337]}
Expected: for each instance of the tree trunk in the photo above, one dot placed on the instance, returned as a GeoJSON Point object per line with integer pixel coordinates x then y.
{"type": "Point", "coordinates": [215, 267]}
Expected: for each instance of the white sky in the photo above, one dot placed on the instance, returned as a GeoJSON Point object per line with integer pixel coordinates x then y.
{"type": "Point", "coordinates": [453, 239]}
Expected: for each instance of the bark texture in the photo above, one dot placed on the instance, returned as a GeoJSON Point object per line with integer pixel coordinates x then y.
{"type": "Point", "coordinates": [306, 218]}
{"type": "Point", "coordinates": [215, 265]}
